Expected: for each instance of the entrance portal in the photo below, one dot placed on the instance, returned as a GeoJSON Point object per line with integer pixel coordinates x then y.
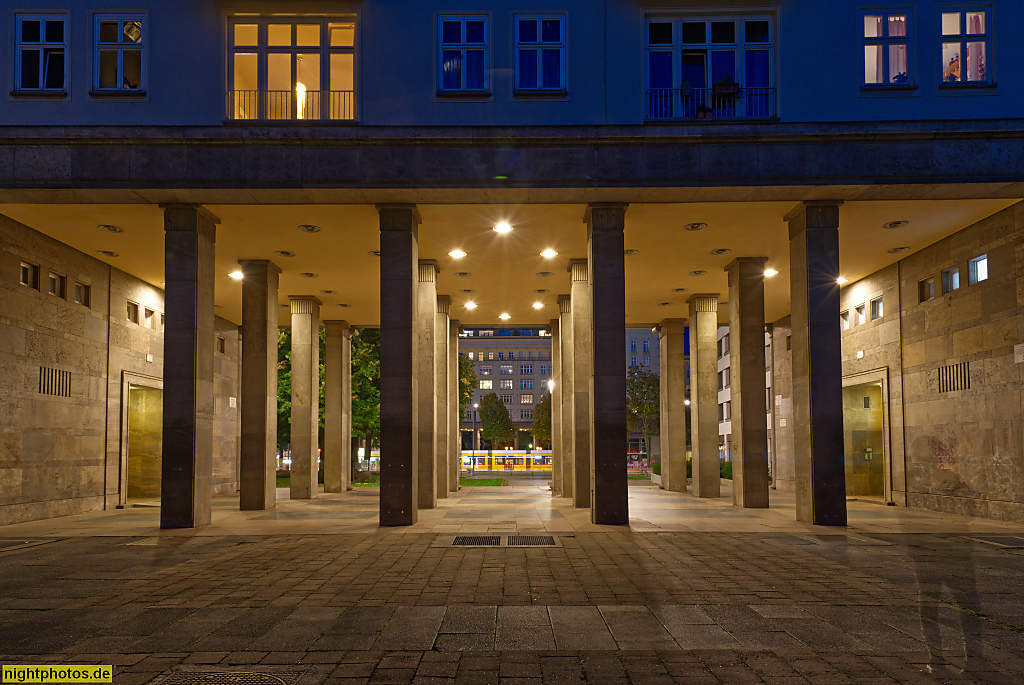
{"type": "Point", "coordinates": [145, 441]}
{"type": "Point", "coordinates": [864, 442]}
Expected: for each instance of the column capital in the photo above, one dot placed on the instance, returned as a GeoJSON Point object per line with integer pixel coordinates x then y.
{"type": "Point", "coordinates": [747, 262]}
{"type": "Point", "coordinates": [612, 208]}
{"type": "Point", "coordinates": [578, 269]}
{"type": "Point", "coordinates": [256, 266]}
{"type": "Point", "coordinates": [304, 304]}
{"type": "Point", "coordinates": [444, 304]}
{"type": "Point", "coordinates": [428, 270]}
{"type": "Point", "coordinates": [813, 214]}
{"type": "Point", "coordinates": [389, 208]}
{"type": "Point", "coordinates": [201, 210]}
{"type": "Point", "coordinates": [456, 324]}
{"type": "Point", "coordinates": [564, 304]}
{"type": "Point", "coordinates": [703, 302]}
{"type": "Point", "coordinates": [336, 322]}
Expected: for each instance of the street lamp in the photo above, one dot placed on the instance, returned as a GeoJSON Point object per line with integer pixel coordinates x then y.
{"type": "Point", "coordinates": [472, 465]}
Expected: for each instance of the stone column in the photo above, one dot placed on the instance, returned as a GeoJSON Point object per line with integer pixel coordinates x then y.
{"type": "Point", "coordinates": [258, 446]}
{"type": "Point", "coordinates": [399, 276]}
{"type": "Point", "coordinates": [186, 485]}
{"type": "Point", "coordinates": [609, 483]}
{"type": "Point", "coordinates": [707, 479]}
{"type": "Point", "coordinates": [454, 416]}
{"type": "Point", "coordinates": [673, 405]}
{"type": "Point", "coordinates": [556, 411]}
{"type": "Point", "coordinates": [817, 364]}
{"type": "Point", "coordinates": [565, 355]}
{"type": "Point", "coordinates": [582, 353]}
{"type": "Point", "coordinates": [426, 355]}
{"type": "Point", "coordinates": [337, 407]}
{"type": "Point", "coordinates": [746, 366]}
{"type": "Point", "coordinates": [443, 306]}
{"type": "Point", "coordinates": [305, 395]}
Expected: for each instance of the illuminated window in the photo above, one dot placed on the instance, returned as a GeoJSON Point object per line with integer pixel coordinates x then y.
{"type": "Point", "coordinates": [965, 46]}
{"type": "Point", "coordinates": [120, 57]}
{"type": "Point", "coordinates": [487, 385]}
{"type": "Point", "coordinates": [977, 270]}
{"type": "Point", "coordinates": [886, 49]}
{"type": "Point", "coordinates": [526, 399]}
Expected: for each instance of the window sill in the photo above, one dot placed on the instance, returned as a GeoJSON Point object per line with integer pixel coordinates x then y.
{"type": "Point", "coordinates": [888, 87]}
{"type": "Point", "coordinates": [121, 93]}
{"type": "Point", "coordinates": [290, 122]}
{"type": "Point", "coordinates": [41, 93]}
{"type": "Point", "coordinates": [471, 94]}
{"type": "Point", "coordinates": [561, 93]}
{"type": "Point", "coordinates": [969, 85]}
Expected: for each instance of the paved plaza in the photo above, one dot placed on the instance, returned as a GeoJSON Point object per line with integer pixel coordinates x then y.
{"type": "Point", "coordinates": [693, 591]}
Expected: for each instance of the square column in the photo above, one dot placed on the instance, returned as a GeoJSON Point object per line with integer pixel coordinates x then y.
{"type": "Point", "coordinates": [582, 372]}
{"type": "Point", "coordinates": [399, 278]}
{"type": "Point", "coordinates": [186, 485]}
{"type": "Point", "coordinates": [556, 411]}
{"type": "Point", "coordinates": [338, 407]}
{"type": "Point", "coordinates": [707, 478]}
{"type": "Point", "coordinates": [565, 355]}
{"type": "Point", "coordinates": [258, 449]}
{"type": "Point", "coordinates": [817, 364]}
{"type": "Point", "coordinates": [426, 356]}
{"type": "Point", "coordinates": [605, 226]}
{"type": "Point", "coordinates": [444, 304]}
{"type": "Point", "coordinates": [673, 404]}
{"type": "Point", "coordinates": [746, 364]}
{"type": "Point", "coordinates": [305, 395]}
{"type": "Point", "coordinates": [454, 415]}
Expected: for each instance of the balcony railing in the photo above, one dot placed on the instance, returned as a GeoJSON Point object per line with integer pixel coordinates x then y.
{"type": "Point", "coordinates": [710, 103]}
{"type": "Point", "coordinates": [290, 105]}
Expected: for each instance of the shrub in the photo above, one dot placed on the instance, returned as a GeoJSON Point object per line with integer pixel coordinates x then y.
{"type": "Point", "coordinates": [656, 468]}
{"type": "Point", "coordinates": [726, 470]}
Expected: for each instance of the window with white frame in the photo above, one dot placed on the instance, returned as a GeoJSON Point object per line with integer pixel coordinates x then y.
{"type": "Point", "coordinates": [526, 368]}
{"type": "Point", "coordinates": [506, 370]}
{"type": "Point", "coordinates": [487, 385]}
{"type": "Point", "coordinates": [966, 35]}
{"type": "Point", "coordinates": [711, 67]}
{"type": "Point", "coordinates": [41, 48]}
{"type": "Point", "coordinates": [291, 68]}
{"type": "Point", "coordinates": [876, 309]}
{"type": "Point", "coordinates": [486, 370]}
{"type": "Point", "coordinates": [526, 384]}
{"type": "Point", "coordinates": [525, 413]}
{"type": "Point", "coordinates": [540, 53]}
{"type": "Point", "coordinates": [977, 270]}
{"type": "Point", "coordinates": [886, 48]}
{"type": "Point", "coordinates": [120, 57]}
{"type": "Point", "coordinates": [505, 384]}
{"type": "Point", "coordinates": [463, 61]}
{"type": "Point", "coordinates": [526, 399]}
{"type": "Point", "coordinates": [507, 399]}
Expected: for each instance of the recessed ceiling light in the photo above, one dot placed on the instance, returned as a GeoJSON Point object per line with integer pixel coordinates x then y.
{"type": "Point", "coordinates": [897, 250]}
{"type": "Point", "coordinates": [503, 227]}
{"type": "Point", "coordinates": [237, 275]}
{"type": "Point", "coordinates": [344, 305]}
{"type": "Point", "coordinates": [664, 304]}
{"type": "Point", "coordinates": [841, 280]}
{"type": "Point", "coordinates": [328, 292]}
{"type": "Point", "coordinates": [111, 229]}
{"type": "Point", "coordinates": [720, 250]}
{"type": "Point", "coordinates": [630, 253]}
{"type": "Point", "coordinates": [545, 274]}
{"type": "Point", "coordinates": [698, 272]}
{"type": "Point", "coordinates": [107, 253]}
{"type": "Point", "coordinates": [470, 305]}
{"type": "Point", "coordinates": [286, 306]}
{"type": "Point", "coordinates": [549, 253]}
{"type": "Point", "coordinates": [218, 306]}
{"type": "Point", "coordinates": [309, 274]}
{"type": "Point", "coordinates": [467, 291]}
{"type": "Point", "coordinates": [538, 305]}
{"type": "Point", "coordinates": [457, 254]}
{"type": "Point", "coordinates": [768, 273]}
{"type": "Point", "coordinates": [895, 224]}
{"type": "Point", "coordinates": [541, 291]}
{"type": "Point", "coordinates": [696, 226]}
{"type": "Point", "coordinates": [285, 253]}
{"type": "Point", "coordinates": [309, 228]}
{"type": "Point", "coordinates": [679, 290]}
{"type": "Point", "coordinates": [374, 253]}
{"type": "Point", "coordinates": [462, 274]}
{"type": "Point", "coordinates": [504, 317]}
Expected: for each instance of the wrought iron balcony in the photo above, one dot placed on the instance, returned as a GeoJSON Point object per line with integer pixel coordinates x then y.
{"type": "Point", "coordinates": [710, 103]}
{"type": "Point", "coordinates": [291, 105]}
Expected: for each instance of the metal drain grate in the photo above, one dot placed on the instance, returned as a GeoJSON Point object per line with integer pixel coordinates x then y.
{"type": "Point", "coordinates": [477, 541]}
{"type": "Point", "coordinates": [229, 678]}
{"type": "Point", "coordinates": [530, 541]}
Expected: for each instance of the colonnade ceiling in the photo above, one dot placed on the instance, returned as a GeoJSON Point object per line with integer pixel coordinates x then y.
{"type": "Point", "coordinates": [504, 270]}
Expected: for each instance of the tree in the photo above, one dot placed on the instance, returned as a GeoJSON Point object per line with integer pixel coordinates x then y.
{"type": "Point", "coordinates": [366, 386]}
{"type": "Point", "coordinates": [496, 423]}
{"type": "Point", "coordinates": [542, 421]}
{"type": "Point", "coordinates": [643, 403]}
{"type": "Point", "coordinates": [284, 387]}
{"type": "Point", "coordinates": [467, 382]}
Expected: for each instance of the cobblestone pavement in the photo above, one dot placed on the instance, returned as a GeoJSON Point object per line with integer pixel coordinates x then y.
{"type": "Point", "coordinates": [899, 596]}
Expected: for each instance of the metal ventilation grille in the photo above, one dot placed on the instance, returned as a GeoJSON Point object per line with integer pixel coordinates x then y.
{"type": "Point", "coordinates": [54, 382]}
{"type": "Point", "coordinates": [229, 678]}
{"type": "Point", "coordinates": [530, 540]}
{"type": "Point", "coordinates": [955, 377]}
{"type": "Point", "coordinates": [477, 541]}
